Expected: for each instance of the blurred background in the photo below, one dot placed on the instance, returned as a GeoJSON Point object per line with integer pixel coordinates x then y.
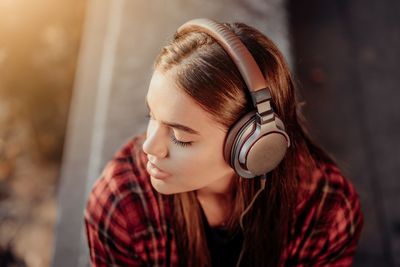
{"type": "Point", "coordinates": [39, 43]}
{"type": "Point", "coordinates": [74, 74]}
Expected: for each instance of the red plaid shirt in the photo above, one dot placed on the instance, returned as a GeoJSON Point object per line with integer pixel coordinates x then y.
{"type": "Point", "coordinates": [127, 221]}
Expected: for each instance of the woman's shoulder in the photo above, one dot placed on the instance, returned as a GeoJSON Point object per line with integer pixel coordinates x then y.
{"type": "Point", "coordinates": [124, 216]}
{"type": "Point", "coordinates": [126, 170]}
{"type": "Point", "coordinates": [124, 183]}
{"type": "Point", "coordinates": [328, 217]}
{"type": "Point", "coordinates": [326, 186]}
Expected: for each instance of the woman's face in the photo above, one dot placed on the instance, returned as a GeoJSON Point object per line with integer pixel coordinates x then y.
{"type": "Point", "coordinates": [193, 153]}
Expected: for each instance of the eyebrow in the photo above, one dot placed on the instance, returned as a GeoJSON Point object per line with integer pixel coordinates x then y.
{"type": "Point", "coordinates": [176, 125]}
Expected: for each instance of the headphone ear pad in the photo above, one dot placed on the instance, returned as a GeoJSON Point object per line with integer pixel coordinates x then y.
{"type": "Point", "coordinates": [235, 134]}
{"type": "Point", "coordinates": [252, 149]}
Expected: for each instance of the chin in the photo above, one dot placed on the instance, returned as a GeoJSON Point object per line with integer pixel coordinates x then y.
{"type": "Point", "coordinates": [161, 186]}
{"type": "Point", "coordinates": [165, 188]}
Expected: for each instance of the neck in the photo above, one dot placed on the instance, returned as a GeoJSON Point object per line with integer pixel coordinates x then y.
{"type": "Point", "coordinates": [220, 190]}
{"type": "Point", "coordinates": [216, 201]}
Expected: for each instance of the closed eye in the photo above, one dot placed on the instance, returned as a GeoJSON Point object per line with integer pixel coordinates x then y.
{"type": "Point", "coordinates": [173, 138]}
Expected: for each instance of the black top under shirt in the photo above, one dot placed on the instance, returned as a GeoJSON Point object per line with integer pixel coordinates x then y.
{"type": "Point", "coordinates": [224, 249]}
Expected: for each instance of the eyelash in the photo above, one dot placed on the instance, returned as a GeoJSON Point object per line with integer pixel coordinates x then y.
{"type": "Point", "coordinates": [177, 142]}
{"type": "Point", "coordinates": [180, 143]}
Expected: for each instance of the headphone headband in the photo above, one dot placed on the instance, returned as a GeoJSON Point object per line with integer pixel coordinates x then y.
{"type": "Point", "coordinates": [233, 46]}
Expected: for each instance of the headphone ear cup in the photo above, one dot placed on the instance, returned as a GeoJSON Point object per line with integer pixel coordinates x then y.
{"type": "Point", "coordinates": [266, 153]}
{"type": "Point", "coordinates": [235, 134]}
{"type": "Point", "coordinates": [252, 149]}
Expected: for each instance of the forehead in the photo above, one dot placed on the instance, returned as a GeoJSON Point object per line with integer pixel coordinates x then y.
{"type": "Point", "coordinates": [162, 90]}
{"type": "Point", "coordinates": [169, 103]}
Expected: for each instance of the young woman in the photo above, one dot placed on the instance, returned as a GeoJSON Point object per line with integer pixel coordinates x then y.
{"type": "Point", "coordinates": [225, 174]}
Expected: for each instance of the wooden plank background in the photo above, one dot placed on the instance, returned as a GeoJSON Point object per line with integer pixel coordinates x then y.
{"type": "Point", "coordinates": [346, 57]}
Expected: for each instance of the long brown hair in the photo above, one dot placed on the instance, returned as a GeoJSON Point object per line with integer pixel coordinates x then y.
{"type": "Point", "coordinates": [206, 73]}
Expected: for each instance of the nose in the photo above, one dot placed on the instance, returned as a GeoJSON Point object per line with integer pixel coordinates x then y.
{"type": "Point", "coordinates": [155, 143]}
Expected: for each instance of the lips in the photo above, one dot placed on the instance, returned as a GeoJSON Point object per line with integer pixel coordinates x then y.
{"type": "Point", "coordinates": [154, 171]}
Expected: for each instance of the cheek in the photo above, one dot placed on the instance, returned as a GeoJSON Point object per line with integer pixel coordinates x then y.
{"type": "Point", "coordinates": [201, 162]}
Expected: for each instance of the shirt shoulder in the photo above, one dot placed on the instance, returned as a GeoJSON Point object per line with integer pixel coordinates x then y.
{"type": "Point", "coordinates": [125, 178]}
{"type": "Point", "coordinates": [123, 206]}
{"type": "Point", "coordinates": [327, 193]}
{"type": "Point", "coordinates": [126, 171]}
{"type": "Point", "coordinates": [328, 220]}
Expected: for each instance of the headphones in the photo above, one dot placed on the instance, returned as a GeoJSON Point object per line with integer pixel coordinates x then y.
{"type": "Point", "coordinates": [257, 142]}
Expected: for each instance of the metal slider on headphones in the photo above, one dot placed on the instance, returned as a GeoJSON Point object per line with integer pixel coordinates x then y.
{"type": "Point", "coordinates": [262, 102]}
